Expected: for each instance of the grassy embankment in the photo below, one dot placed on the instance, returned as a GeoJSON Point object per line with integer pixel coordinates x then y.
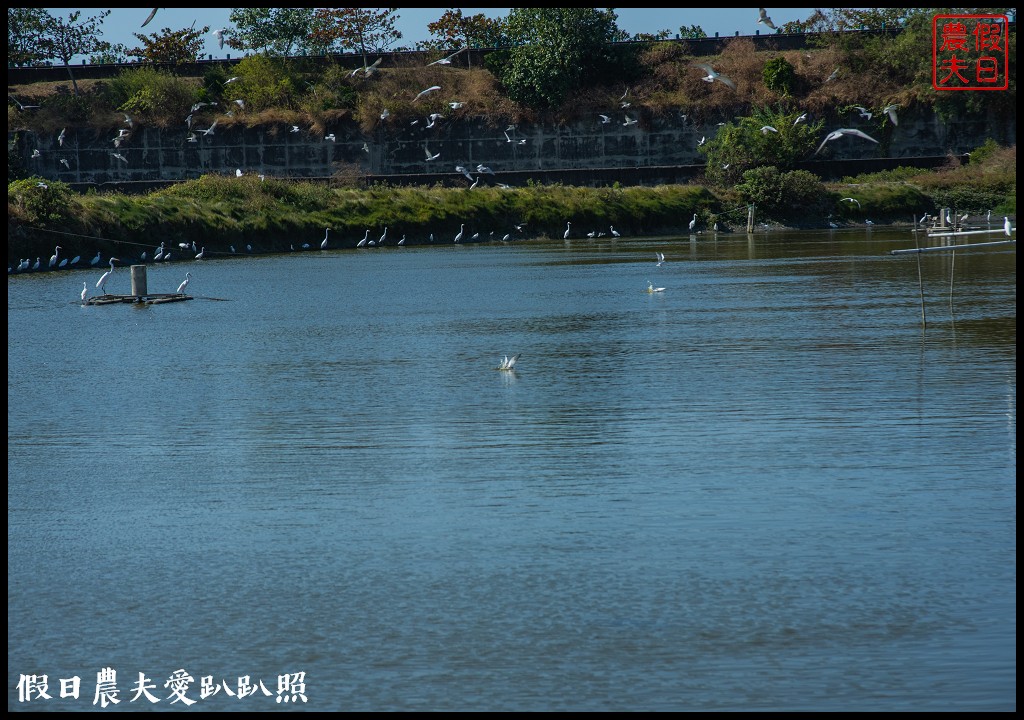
{"type": "Point", "coordinates": [219, 212]}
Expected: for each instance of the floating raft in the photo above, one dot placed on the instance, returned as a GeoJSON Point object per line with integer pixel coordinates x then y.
{"type": "Point", "coordinates": [140, 299]}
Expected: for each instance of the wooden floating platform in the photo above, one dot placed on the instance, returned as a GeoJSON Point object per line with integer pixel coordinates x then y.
{"type": "Point", "coordinates": [156, 299]}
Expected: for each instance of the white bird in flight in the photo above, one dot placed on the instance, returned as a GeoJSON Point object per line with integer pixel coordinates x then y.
{"type": "Point", "coordinates": [604, 119]}
{"type": "Point", "coordinates": [60, 138]}
{"type": "Point", "coordinates": [660, 257]}
{"type": "Point", "coordinates": [429, 156]}
{"type": "Point", "coordinates": [120, 157]}
{"type": "Point", "coordinates": [836, 134]}
{"type": "Point", "coordinates": [445, 60]}
{"type": "Point", "coordinates": [855, 200]}
{"type": "Point", "coordinates": [508, 363]}
{"type": "Point", "coordinates": [767, 129]}
{"type": "Point", "coordinates": [630, 121]}
{"type": "Point", "coordinates": [800, 119]}
{"type": "Point", "coordinates": [764, 19]}
{"type": "Point", "coordinates": [219, 34]}
{"type": "Point", "coordinates": [712, 75]}
{"type": "Point", "coordinates": [430, 89]}
{"type": "Point", "coordinates": [890, 110]}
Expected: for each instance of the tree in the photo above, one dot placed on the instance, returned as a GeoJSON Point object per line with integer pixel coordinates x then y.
{"type": "Point", "coordinates": [747, 144]}
{"type": "Point", "coordinates": [167, 46]}
{"type": "Point", "coordinates": [694, 32]}
{"type": "Point", "coordinates": [556, 50]}
{"type": "Point", "coordinates": [277, 31]}
{"type": "Point", "coordinates": [64, 39]}
{"type": "Point", "coordinates": [363, 30]}
{"type": "Point", "coordinates": [454, 30]}
{"type": "Point", "coordinates": [24, 35]}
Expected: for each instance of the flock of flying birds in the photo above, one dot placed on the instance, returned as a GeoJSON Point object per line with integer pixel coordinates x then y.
{"type": "Point", "coordinates": [710, 76]}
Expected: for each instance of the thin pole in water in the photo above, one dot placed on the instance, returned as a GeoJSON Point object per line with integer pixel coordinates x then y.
{"type": "Point", "coordinates": [920, 285]}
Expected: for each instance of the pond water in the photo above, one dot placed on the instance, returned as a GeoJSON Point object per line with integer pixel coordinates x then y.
{"type": "Point", "coordinates": [766, 487]}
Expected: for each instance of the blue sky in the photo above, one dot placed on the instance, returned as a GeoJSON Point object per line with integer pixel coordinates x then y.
{"type": "Point", "coordinates": [123, 22]}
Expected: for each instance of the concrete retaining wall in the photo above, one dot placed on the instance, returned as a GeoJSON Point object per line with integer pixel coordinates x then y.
{"type": "Point", "coordinates": [655, 150]}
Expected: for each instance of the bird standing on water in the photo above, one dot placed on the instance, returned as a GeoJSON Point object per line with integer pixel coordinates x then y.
{"type": "Point", "coordinates": [184, 284]}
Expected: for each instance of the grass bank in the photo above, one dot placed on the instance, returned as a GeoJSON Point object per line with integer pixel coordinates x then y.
{"type": "Point", "coordinates": [219, 212]}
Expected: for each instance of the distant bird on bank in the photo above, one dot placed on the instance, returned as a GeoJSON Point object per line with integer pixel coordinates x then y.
{"type": "Point", "coordinates": [763, 18]}
{"type": "Point", "coordinates": [323, 245]}
{"type": "Point", "coordinates": [836, 134]}
{"type": "Point", "coordinates": [693, 223]}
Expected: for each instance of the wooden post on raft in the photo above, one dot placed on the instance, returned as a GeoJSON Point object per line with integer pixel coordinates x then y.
{"type": "Point", "coordinates": [139, 287]}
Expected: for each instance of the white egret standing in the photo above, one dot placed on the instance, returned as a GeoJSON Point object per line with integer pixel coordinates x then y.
{"type": "Point", "coordinates": [383, 236]}
{"type": "Point", "coordinates": [459, 236]}
{"type": "Point", "coordinates": [96, 260]}
{"type": "Point", "coordinates": [184, 283]}
{"type": "Point", "coordinates": [568, 226]}
{"type": "Point", "coordinates": [614, 231]}
{"type": "Point", "coordinates": [693, 223]}
{"type": "Point", "coordinates": [201, 254]}
{"type": "Point", "coordinates": [1006, 226]}
{"type": "Point", "coordinates": [323, 245]}
{"type": "Point", "coordinates": [85, 290]}
{"type": "Point", "coordinates": [106, 276]}
{"type": "Point", "coordinates": [53, 258]}
{"type": "Point", "coordinates": [362, 243]}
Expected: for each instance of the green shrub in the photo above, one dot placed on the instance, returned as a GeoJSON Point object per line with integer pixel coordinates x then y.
{"type": "Point", "coordinates": [796, 194]}
{"type": "Point", "coordinates": [779, 76]}
{"type": "Point", "coordinates": [39, 201]}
